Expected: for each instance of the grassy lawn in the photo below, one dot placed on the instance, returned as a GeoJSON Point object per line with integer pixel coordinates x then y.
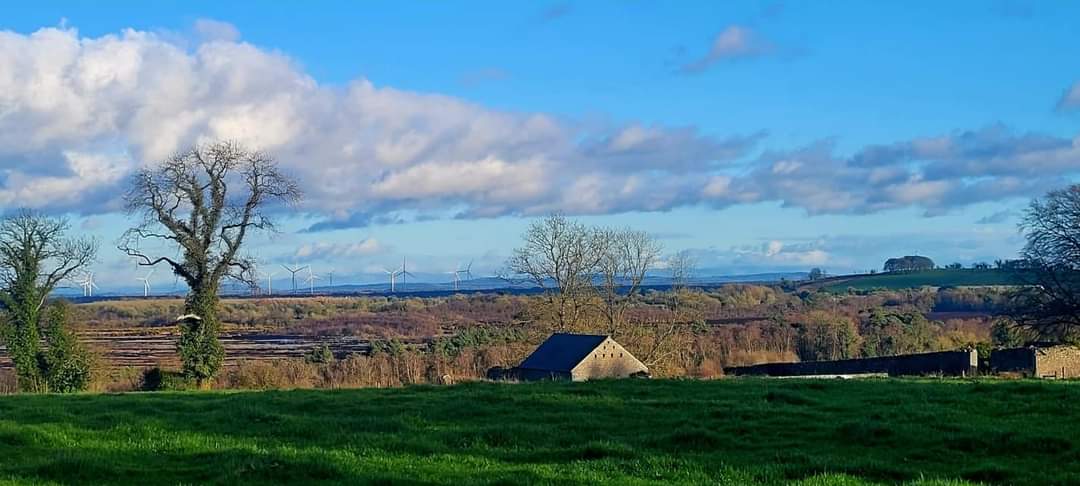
{"type": "Point", "coordinates": [930, 278]}
{"type": "Point", "coordinates": [621, 432]}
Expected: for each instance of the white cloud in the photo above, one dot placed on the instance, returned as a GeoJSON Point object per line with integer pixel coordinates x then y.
{"type": "Point", "coordinates": [216, 30]}
{"type": "Point", "coordinates": [733, 43]}
{"type": "Point", "coordinates": [78, 114]}
{"type": "Point", "coordinates": [324, 250]}
{"type": "Point", "coordinates": [357, 148]}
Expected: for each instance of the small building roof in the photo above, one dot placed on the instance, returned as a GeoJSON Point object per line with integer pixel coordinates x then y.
{"type": "Point", "coordinates": [562, 352]}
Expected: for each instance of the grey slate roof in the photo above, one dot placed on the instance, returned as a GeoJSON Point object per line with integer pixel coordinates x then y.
{"type": "Point", "coordinates": [562, 352]}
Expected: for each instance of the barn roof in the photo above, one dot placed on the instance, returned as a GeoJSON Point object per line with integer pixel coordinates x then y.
{"type": "Point", "coordinates": [562, 352]}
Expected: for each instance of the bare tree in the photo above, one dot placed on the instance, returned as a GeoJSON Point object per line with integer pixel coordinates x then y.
{"type": "Point", "coordinates": [35, 257]}
{"type": "Point", "coordinates": [626, 256]}
{"type": "Point", "coordinates": [664, 340]}
{"type": "Point", "coordinates": [205, 201]}
{"type": "Point", "coordinates": [561, 257]}
{"type": "Point", "coordinates": [1049, 305]}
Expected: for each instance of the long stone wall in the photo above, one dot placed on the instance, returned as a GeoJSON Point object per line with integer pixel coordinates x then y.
{"type": "Point", "coordinates": [950, 363]}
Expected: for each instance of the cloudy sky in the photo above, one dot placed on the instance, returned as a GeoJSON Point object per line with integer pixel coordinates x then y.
{"type": "Point", "coordinates": [761, 136]}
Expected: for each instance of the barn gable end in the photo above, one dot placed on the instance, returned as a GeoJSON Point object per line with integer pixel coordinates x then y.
{"type": "Point", "coordinates": [608, 360]}
{"type": "Point", "coordinates": [579, 357]}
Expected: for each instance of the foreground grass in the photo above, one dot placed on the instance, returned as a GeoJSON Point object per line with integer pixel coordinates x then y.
{"type": "Point", "coordinates": [929, 278]}
{"type": "Point", "coordinates": [620, 432]}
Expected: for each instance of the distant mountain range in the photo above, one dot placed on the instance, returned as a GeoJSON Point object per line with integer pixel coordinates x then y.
{"type": "Point", "coordinates": [424, 287]}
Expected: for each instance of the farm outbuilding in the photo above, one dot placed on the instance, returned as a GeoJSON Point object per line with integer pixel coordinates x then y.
{"type": "Point", "coordinates": [1054, 362]}
{"type": "Point", "coordinates": [579, 357]}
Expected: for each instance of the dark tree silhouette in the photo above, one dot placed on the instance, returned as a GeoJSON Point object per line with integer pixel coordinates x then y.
{"type": "Point", "coordinates": [1049, 305]}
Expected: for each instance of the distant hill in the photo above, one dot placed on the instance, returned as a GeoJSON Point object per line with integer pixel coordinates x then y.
{"type": "Point", "coordinates": [417, 288]}
{"type": "Point", "coordinates": [928, 278]}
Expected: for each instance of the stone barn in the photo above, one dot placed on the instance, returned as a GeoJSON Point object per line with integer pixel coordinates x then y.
{"type": "Point", "coordinates": [579, 357]}
{"type": "Point", "coordinates": [1054, 362]}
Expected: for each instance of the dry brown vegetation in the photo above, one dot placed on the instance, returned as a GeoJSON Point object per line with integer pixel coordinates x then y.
{"type": "Point", "coordinates": [385, 341]}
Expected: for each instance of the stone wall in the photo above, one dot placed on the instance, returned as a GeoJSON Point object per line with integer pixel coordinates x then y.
{"type": "Point", "coordinates": [609, 360]}
{"type": "Point", "coordinates": [950, 363]}
{"type": "Point", "coordinates": [1055, 362]}
{"type": "Point", "coordinates": [1059, 362]}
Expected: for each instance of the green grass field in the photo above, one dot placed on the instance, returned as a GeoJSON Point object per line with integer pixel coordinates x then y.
{"type": "Point", "coordinates": [626, 432]}
{"type": "Point", "coordinates": [931, 278]}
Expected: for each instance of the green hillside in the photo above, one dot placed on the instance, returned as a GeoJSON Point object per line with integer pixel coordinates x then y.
{"type": "Point", "coordinates": [628, 432]}
{"type": "Point", "coordinates": [930, 278]}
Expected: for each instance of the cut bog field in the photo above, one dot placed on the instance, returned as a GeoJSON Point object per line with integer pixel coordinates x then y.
{"type": "Point", "coordinates": [736, 431]}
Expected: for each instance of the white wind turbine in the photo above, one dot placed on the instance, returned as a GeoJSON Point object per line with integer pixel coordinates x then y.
{"type": "Point", "coordinates": [311, 278]}
{"type": "Point", "coordinates": [403, 272]}
{"type": "Point", "coordinates": [393, 277]}
{"type": "Point", "coordinates": [467, 271]}
{"type": "Point", "coordinates": [454, 276]}
{"type": "Point", "coordinates": [270, 283]}
{"type": "Point", "coordinates": [88, 284]}
{"type": "Point", "coordinates": [294, 270]}
{"type": "Point", "coordinates": [146, 283]}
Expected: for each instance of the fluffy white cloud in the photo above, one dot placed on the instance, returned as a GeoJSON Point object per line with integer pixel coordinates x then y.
{"type": "Point", "coordinates": [936, 174]}
{"type": "Point", "coordinates": [118, 101]}
{"type": "Point", "coordinates": [78, 114]}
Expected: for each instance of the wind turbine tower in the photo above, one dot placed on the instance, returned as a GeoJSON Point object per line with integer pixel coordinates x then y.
{"type": "Point", "coordinates": [454, 276]}
{"type": "Point", "coordinates": [270, 283]}
{"type": "Point", "coordinates": [403, 273]}
{"type": "Point", "coordinates": [146, 283]}
{"type": "Point", "coordinates": [294, 270]}
{"type": "Point", "coordinates": [88, 285]}
{"type": "Point", "coordinates": [311, 278]}
{"type": "Point", "coordinates": [467, 271]}
{"type": "Point", "coordinates": [393, 277]}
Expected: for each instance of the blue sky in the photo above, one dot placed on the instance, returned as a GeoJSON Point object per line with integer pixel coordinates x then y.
{"type": "Point", "coordinates": [761, 135]}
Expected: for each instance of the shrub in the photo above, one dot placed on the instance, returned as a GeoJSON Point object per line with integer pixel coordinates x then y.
{"type": "Point", "coordinates": [66, 364]}
{"type": "Point", "coordinates": [157, 379]}
{"type": "Point", "coordinates": [319, 355]}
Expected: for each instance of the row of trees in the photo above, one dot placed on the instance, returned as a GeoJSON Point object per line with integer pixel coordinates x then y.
{"type": "Point", "coordinates": [205, 202]}
{"type": "Point", "coordinates": [592, 276]}
{"type": "Point", "coordinates": [578, 266]}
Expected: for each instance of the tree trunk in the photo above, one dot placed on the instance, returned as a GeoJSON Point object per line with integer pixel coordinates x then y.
{"type": "Point", "coordinates": [200, 349]}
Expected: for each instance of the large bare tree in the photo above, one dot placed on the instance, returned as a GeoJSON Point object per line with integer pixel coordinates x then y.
{"type": "Point", "coordinates": [205, 202]}
{"type": "Point", "coordinates": [35, 257]}
{"type": "Point", "coordinates": [626, 256]}
{"type": "Point", "coordinates": [1049, 305]}
{"type": "Point", "coordinates": [560, 256]}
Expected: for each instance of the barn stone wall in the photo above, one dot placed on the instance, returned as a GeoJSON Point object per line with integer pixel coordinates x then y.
{"type": "Point", "coordinates": [609, 360]}
{"type": "Point", "coordinates": [952, 363]}
{"type": "Point", "coordinates": [1057, 362]}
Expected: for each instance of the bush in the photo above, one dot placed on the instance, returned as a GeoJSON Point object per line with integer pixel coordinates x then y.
{"type": "Point", "coordinates": [66, 365]}
{"type": "Point", "coordinates": [319, 355]}
{"type": "Point", "coordinates": [157, 379]}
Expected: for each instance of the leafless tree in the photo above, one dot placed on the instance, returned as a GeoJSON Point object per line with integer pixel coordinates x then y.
{"type": "Point", "coordinates": [1049, 305]}
{"type": "Point", "coordinates": [626, 256]}
{"type": "Point", "coordinates": [664, 340]}
{"type": "Point", "coordinates": [561, 257]}
{"type": "Point", "coordinates": [35, 257]}
{"type": "Point", "coordinates": [205, 201]}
